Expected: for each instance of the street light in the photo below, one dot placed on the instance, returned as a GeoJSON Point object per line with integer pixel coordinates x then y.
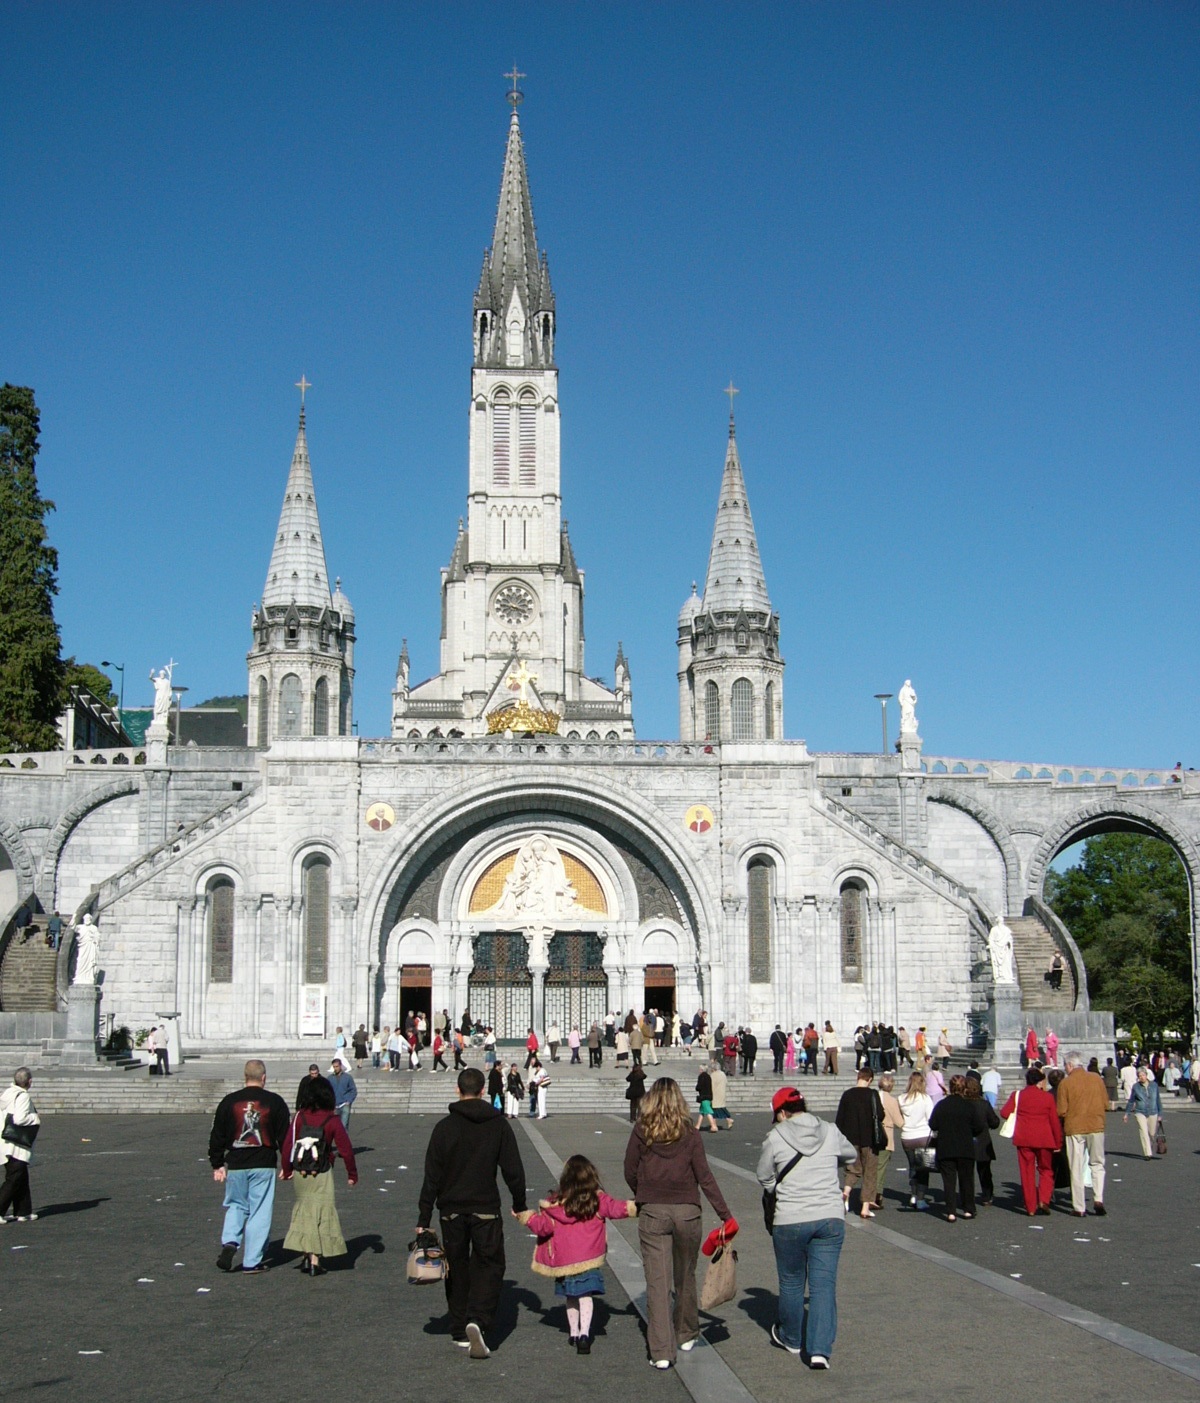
{"type": "Point", "coordinates": [883, 698]}
{"type": "Point", "coordinates": [119, 667]}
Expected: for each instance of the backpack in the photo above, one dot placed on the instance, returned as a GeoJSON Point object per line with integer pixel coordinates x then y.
{"type": "Point", "coordinates": [311, 1150]}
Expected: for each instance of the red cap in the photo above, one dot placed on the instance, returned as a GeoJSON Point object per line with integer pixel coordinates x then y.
{"type": "Point", "coordinates": [787, 1098]}
{"type": "Point", "coordinates": [727, 1230]}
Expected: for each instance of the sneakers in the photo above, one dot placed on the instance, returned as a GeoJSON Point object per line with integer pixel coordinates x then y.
{"type": "Point", "coordinates": [27, 1218]}
{"type": "Point", "coordinates": [259, 1269]}
{"type": "Point", "coordinates": [690, 1344]}
{"type": "Point", "coordinates": [660, 1364]}
{"type": "Point", "coordinates": [225, 1260]}
{"type": "Point", "coordinates": [777, 1341]}
{"type": "Point", "coordinates": [818, 1361]}
{"type": "Point", "coordinates": [475, 1342]}
{"type": "Point", "coordinates": [460, 1344]}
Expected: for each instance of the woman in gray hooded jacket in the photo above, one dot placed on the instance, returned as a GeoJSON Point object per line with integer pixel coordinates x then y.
{"type": "Point", "coordinates": [799, 1160]}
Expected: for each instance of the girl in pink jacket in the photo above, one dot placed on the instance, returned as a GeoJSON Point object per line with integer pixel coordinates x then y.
{"type": "Point", "coordinates": [572, 1241]}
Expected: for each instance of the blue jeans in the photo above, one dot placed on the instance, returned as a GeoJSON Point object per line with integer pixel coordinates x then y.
{"type": "Point", "coordinates": [249, 1203]}
{"type": "Point", "coordinates": [808, 1251]}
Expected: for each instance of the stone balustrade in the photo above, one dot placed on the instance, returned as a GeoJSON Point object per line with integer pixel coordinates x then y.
{"type": "Point", "coordinates": [1063, 775]}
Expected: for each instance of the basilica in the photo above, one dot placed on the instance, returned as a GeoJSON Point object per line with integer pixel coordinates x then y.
{"type": "Point", "coordinates": [514, 848]}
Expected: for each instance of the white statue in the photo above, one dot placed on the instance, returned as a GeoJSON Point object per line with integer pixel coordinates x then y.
{"type": "Point", "coordinates": [1000, 948]}
{"type": "Point", "coordinates": [162, 694]}
{"type": "Point", "coordinates": [908, 709]}
{"type": "Point", "coordinates": [538, 884]}
{"type": "Point", "coordinates": [87, 951]}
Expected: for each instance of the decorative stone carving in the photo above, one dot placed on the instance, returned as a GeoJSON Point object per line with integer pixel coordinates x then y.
{"type": "Point", "coordinates": [1000, 951]}
{"type": "Point", "coordinates": [537, 888]}
{"type": "Point", "coordinates": [87, 952]}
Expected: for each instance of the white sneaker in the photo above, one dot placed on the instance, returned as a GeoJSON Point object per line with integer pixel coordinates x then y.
{"type": "Point", "coordinates": [660, 1363]}
{"type": "Point", "coordinates": [475, 1342]}
{"type": "Point", "coordinates": [690, 1344]}
{"type": "Point", "coordinates": [29, 1218]}
{"type": "Point", "coordinates": [818, 1361]}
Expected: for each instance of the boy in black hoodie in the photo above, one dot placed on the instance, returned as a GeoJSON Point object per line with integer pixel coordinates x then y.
{"type": "Point", "coordinates": [465, 1151]}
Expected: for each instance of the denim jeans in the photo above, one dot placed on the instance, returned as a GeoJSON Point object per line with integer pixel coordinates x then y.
{"type": "Point", "coordinates": [249, 1203]}
{"type": "Point", "coordinates": [808, 1251]}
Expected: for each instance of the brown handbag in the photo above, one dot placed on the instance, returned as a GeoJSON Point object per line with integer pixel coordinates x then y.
{"type": "Point", "coordinates": [720, 1278]}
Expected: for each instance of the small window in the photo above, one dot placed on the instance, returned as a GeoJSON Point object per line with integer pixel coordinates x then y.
{"type": "Point", "coordinates": [527, 440]}
{"type": "Point", "coordinates": [712, 712]}
{"type": "Point", "coordinates": [264, 712]}
{"type": "Point", "coordinates": [769, 711]}
{"type": "Point", "coordinates": [220, 895]}
{"type": "Point", "coordinates": [501, 440]}
{"type": "Point", "coordinates": [321, 707]}
{"type": "Point", "coordinates": [760, 876]}
{"type": "Point", "coordinates": [742, 710]}
{"type": "Point", "coordinates": [853, 915]}
{"type": "Point", "coordinates": [289, 705]}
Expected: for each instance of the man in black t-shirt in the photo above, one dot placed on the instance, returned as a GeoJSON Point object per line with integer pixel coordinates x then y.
{"type": "Point", "coordinates": [243, 1149]}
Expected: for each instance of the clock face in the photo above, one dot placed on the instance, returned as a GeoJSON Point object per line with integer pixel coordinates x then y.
{"type": "Point", "coordinates": [514, 605]}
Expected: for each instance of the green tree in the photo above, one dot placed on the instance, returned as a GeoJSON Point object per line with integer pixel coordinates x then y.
{"type": "Point", "coordinates": [89, 676]}
{"type": "Point", "coordinates": [1127, 905]}
{"type": "Point", "coordinates": [31, 670]}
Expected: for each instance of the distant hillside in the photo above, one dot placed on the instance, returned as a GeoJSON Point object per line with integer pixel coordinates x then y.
{"type": "Point", "coordinates": [239, 704]}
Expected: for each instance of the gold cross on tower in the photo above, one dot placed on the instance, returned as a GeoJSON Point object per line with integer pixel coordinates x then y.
{"type": "Point", "coordinates": [303, 386]}
{"type": "Point", "coordinates": [731, 390]}
{"type": "Point", "coordinates": [516, 97]}
{"type": "Point", "coordinates": [519, 679]}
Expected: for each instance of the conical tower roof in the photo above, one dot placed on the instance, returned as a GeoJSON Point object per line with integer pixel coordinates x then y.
{"type": "Point", "coordinates": [735, 574]}
{"type": "Point", "coordinates": [297, 573]}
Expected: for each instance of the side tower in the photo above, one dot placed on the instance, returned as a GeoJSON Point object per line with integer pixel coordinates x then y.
{"type": "Point", "coordinates": [512, 592]}
{"type": "Point", "coordinates": [730, 671]}
{"type": "Point", "coordinates": [302, 658]}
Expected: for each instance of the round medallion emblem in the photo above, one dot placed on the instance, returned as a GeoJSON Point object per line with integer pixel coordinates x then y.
{"type": "Point", "coordinates": [698, 819]}
{"type": "Point", "coordinates": [380, 817]}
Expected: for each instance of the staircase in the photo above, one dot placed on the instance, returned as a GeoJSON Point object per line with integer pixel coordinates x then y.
{"type": "Point", "coordinates": [28, 973]}
{"type": "Point", "coordinates": [1034, 947]}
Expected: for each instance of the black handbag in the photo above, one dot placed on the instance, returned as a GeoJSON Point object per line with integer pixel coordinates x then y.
{"type": "Point", "coordinates": [768, 1198]}
{"type": "Point", "coordinates": [20, 1135]}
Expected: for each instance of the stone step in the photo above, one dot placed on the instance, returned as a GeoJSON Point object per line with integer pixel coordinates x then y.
{"type": "Point", "coordinates": [29, 974]}
{"type": "Point", "coordinates": [1033, 948]}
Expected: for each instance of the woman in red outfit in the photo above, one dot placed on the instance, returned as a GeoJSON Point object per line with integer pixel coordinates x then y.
{"type": "Point", "coordinates": [1037, 1135]}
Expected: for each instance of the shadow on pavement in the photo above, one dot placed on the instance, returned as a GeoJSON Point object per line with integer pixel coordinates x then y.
{"type": "Point", "coordinates": [80, 1205]}
{"type": "Point", "coordinates": [760, 1305]}
{"type": "Point", "coordinates": [355, 1248]}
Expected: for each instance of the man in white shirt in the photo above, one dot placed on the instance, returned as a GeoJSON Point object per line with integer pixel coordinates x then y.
{"type": "Point", "coordinates": [991, 1086]}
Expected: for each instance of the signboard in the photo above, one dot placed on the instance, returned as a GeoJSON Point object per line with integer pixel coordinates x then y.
{"type": "Point", "coordinates": [312, 1011]}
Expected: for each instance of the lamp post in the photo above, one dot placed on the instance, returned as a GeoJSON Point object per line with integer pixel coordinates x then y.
{"type": "Point", "coordinates": [178, 691]}
{"type": "Point", "coordinates": [883, 698]}
{"type": "Point", "coordinates": [118, 667]}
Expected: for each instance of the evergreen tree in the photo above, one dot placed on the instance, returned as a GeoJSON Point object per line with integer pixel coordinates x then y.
{"type": "Point", "coordinates": [31, 672]}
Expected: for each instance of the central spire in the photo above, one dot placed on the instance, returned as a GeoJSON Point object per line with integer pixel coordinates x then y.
{"type": "Point", "coordinates": [514, 305]}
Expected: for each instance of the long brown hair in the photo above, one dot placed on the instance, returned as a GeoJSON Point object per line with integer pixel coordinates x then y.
{"type": "Point", "coordinates": [665, 1114]}
{"type": "Point", "coordinates": [579, 1188]}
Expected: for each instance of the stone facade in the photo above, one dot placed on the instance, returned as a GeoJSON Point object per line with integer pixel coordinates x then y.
{"type": "Point", "coordinates": [314, 878]}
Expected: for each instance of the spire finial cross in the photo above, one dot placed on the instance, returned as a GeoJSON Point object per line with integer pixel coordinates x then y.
{"type": "Point", "coordinates": [731, 389]}
{"type": "Point", "coordinates": [516, 96]}
{"type": "Point", "coordinates": [303, 385]}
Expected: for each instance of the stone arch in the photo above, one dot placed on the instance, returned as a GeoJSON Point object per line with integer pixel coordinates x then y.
{"type": "Point", "coordinates": [769, 850]}
{"type": "Point", "coordinates": [416, 842]}
{"type": "Point", "coordinates": [12, 840]}
{"type": "Point", "coordinates": [115, 789]}
{"type": "Point", "coordinates": [996, 829]}
{"type": "Point", "coordinates": [1106, 815]}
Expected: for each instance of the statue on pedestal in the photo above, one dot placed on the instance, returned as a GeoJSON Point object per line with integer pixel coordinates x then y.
{"type": "Point", "coordinates": [1000, 949]}
{"type": "Point", "coordinates": [908, 709]}
{"type": "Point", "coordinates": [87, 952]}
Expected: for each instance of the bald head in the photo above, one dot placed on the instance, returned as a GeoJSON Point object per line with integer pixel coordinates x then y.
{"type": "Point", "coordinates": [255, 1072]}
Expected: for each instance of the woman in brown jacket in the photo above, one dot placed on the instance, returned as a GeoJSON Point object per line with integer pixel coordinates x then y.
{"type": "Point", "coordinates": [1038, 1133]}
{"type": "Point", "coordinates": [665, 1168]}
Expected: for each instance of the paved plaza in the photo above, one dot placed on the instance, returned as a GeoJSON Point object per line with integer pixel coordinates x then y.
{"type": "Point", "coordinates": [114, 1291]}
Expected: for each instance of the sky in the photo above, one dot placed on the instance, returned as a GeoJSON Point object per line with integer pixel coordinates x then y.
{"type": "Point", "coordinates": [948, 254]}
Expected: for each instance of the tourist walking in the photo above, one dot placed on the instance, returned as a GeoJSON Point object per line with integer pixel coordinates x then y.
{"type": "Point", "coordinates": [635, 1090]}
{"type": "Point", "coordinates": [553, 1038]}
{"type": "Point", "coordinates": [860, 1119]}
{"type": "Point", "coordinates": [573, 1241]}
{"type": "Point", "coordinates": [539, 1080]}
{"type": "Point", "coordinates": [247, 1133]}
{"type": "Point", "coordinates": [359, 1039]}
{"type": "Point", "coordinates": [344, 1090]}
{"type": "Point", "coordinates": [829, 1044]}
{"type": "Point", "coordinates": [789, 1061]}
{"type": "Point", "coordinates": [314, 1140]}
{"type": "Point", "coordinates": [158, 1045]}
{"type": "Point", "coordinates": [622, 1045]}
{"type": "Point", "coordinates": [496, 1084]}
{"type": "Point", "coordinates": [531, 1049]}
{"type": "Point", "coordinates": [893, 1121]}
{"type": "Point", "coordinates": [465, 1151]}
{"type": "Point", "coordinates": [666, 1169]}
{"type": "Point", "coordinates": [704, 1097]}
{"type": "Point", "coordinates": [595, 1050]}
{"type": "Point", "coordinates": [1051, 1045]}
{"type": "Point", "coordinates": [955, 1122]}
{"type": "Point", "coordinates": [916, 1108]}
{"type": "Point", "coordinates": [1082, 1101]}
{"type": "Point", "coordinates": [1145, 1105]}
{"type": "Point", "coordinates": [720, 1089]}
{"type": "Point", "coordinates": [778, 1044]}
{"type": "Point", "coordinates": [985, 1151]}
{"type": "Point", "coordinates": [749, 1051]}
{"type": "Point", "coordinates": [574, 1042]}
{"type": "Point", "coordinates": [438, 1047]}
{"type": "Point", "coordinates": [21, 1124]}
{"type": "Point", "coordinates": [1036, 1136]}
{"type": "Point", "coordinates": [943, 1048]}
{"type": "Point", "coordinates": [799, 1163]}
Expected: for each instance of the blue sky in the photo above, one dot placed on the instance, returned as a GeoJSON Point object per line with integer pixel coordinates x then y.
{"type": "Point", "coordinates": [948, 253]}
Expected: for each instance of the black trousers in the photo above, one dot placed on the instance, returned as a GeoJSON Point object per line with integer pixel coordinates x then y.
{"type": "Point", "coordinates": [777, 1068]}
{"type": "Point", "coordinates": [958, 1173]}
{"type": "Point", "coordinates": [475, 1255]}
{"type": "Point", "coordinates": [162, 1057]}
{"type": "Point", "coordinates": [14, 1193]}
{"type": "Point", "coordinates": [595, 1057]}
{"type": "Point", "coordinates": [986, 1190]}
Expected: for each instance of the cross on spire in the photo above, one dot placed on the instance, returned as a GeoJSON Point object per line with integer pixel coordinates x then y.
{"type": "Point", "coordinates": [303, 385]}
{"type": "Point", "coordinates": [516, 96]}
{"type": "Point", "coordinates": [731, 390]}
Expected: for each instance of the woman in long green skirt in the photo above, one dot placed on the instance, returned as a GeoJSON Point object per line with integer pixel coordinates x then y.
{"type": "Point", "coordinates": [315, 1139]}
